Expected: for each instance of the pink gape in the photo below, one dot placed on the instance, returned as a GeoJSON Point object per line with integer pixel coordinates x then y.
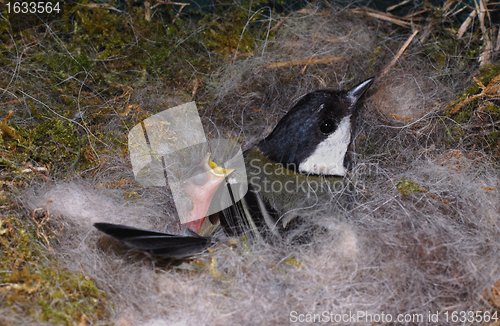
{"type": "Point", "coordinates": [201, 189]}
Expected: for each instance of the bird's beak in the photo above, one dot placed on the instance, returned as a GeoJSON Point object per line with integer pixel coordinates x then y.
{"type": "Point", "coordinates": [202, 194]}
{"type": "Point", "coordinates": [216, 170]}
{"type": "Point", "coordinates": [355, 93]}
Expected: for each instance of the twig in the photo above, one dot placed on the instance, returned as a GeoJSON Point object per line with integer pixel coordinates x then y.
{"type": "Point", "coordinates": [182, 4]}
{"type": "Point", "coordinates": [101, 5]}
{"type": "Point", "coordinates": [147, 10]}
{"type": "Point", "coordinates": [17, 100]}
{"type": "Point", "coordinates": [413, 14]}
{"type": "Point", "coordinates": [466, 5]}
{"type": "Point", "coordinates": [400, 52]}
{"type": "Point", "coordinates": [485, 56]}
{"type": "Point", "coordinates": [492, 90]}
{"type": "Point", "coordinates": [493, 124]}
{"type": "Point", "coordinates": [402, 3]}
{"type": "Point", "coordinates": [128, 108]}
{"type": "Point", "coordinates": [336, 40]}
{"type": "Point", "coordinates": [276, 65]}
{"type": "Point", "coordinates": [447, 5]}
{"type": "Point", "coordinates": [387, 17]}
{"type": "Point", "coordinates": [490, 188]}
{"type": "Point", "coordinates": [213, 271]}
{"type": "Point", "coordinates": [12, 102]}
{"type": "Point", "coordinates": [160, 2]}
{"type": "Point", "coordinates": [114, 184]}
{"type": "Point", "coordinates": [195, 88]}
{"type": "Point", "coordinates": [45, 218]}
{"type": "Point", "coordinates": [9, 115]}
{"type": "Point", "coordinates": [466, 24]}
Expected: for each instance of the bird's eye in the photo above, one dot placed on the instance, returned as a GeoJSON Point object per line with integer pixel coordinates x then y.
{"type": "Point", "coordinates": [328, 126]}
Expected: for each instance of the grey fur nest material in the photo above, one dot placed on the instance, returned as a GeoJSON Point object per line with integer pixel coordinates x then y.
{"type": "Point", "coordinates": [420, 236]}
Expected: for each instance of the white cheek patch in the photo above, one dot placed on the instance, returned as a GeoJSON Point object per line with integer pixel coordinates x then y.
{"type": "Point", "coordinates": [328, 158]}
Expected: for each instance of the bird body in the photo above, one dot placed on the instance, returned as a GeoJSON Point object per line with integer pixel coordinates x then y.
{"type": "Point", "coordinates": [276, 195]}
{"type": "Point", "coordinates": [300, 164]}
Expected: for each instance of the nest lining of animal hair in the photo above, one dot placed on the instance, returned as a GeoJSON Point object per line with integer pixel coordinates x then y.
{"type": "Point", "coordinates": [420, 233]}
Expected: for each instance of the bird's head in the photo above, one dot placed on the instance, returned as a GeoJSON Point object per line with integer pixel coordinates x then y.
{"type": "Point", "coordinates": [313, 137]}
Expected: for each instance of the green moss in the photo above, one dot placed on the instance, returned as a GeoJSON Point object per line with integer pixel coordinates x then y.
{"type": "Point", "coordinates": [465, 113]}
{"type": "Point", "coordinates": [486, 75]}
{"type": "Point", "coordinates": [407, 186]}
{"type": "Point", "coordinates": [83, 61]}
{"type": "Point", "coordinates": [480, 112]}
{"type": "Point", "coordinates": [488, 72]}
{"type": "Point", "coordinates": [35, 286]}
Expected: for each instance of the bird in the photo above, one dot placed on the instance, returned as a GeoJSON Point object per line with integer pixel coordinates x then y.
{"type": "Point", "coordinates": [302, 162]}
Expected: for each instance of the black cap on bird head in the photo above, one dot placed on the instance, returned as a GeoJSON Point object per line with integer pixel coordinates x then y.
{"type": "Point", "coordinates": [313, 137]}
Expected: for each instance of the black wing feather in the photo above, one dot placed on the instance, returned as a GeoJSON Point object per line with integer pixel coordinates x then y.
{"type": "Point", "coordinates": [156, 243]}
{"type": "Point", "coordinates": [247, 217]}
